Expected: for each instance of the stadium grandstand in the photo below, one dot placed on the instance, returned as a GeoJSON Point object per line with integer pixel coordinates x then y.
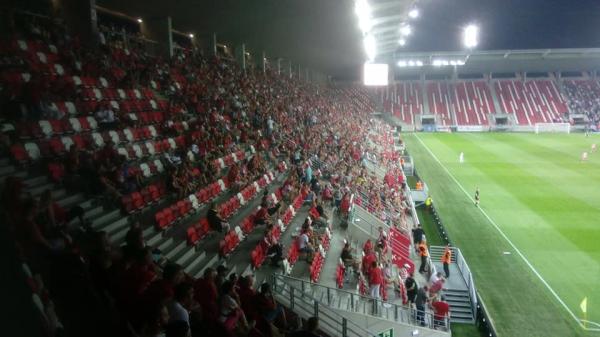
{"type": "Point", "coordinates": [190, 169]}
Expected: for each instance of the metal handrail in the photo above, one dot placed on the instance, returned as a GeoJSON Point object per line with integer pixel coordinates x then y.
{"type": "Point", "coordinates": [339, 324]}
{"type": "Point", "coordinates": [370, 306]}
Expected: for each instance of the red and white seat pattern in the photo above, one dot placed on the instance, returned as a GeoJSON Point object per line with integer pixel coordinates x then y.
{"type": "Point", "coordinates": [530, 102]}
{"type": "Point", "coordinates": [472, 102]}
{"type": "Point", "coordinates": [438, 97]}
{"type": "Point", "coordinates": [405, 100]}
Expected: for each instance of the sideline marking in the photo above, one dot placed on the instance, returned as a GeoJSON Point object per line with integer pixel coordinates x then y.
{"type": "Point", "coordinates": [507, 239]}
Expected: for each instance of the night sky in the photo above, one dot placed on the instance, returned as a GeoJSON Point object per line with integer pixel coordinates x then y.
{"type": "Point", "coordinates": [508, 24]}
{"type": "Point", "coordinates": [324, 34]}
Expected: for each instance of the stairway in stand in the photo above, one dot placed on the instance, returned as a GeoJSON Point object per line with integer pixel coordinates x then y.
{"type": "Point", "coordinates": [455, 290]}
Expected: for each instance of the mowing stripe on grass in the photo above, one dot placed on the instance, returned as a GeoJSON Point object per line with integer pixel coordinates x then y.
{"type": "Point", "coordinates": [493, 223]}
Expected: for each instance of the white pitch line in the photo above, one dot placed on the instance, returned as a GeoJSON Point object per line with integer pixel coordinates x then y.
{"type": "Point", "coordinates": [505, 237]}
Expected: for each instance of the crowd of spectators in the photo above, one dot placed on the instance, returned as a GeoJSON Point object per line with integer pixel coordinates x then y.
{"type": "Point", "coordinates": [583, 98]}
{"type": "Point", "coordinates": [327, 134]}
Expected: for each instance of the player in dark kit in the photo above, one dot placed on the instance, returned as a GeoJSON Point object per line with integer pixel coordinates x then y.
{"type": "Point", "coordinates": [477, 196]}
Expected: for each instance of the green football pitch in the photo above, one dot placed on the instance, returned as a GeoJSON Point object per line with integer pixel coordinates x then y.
{"type": "Point", "coordinates": [534, 242]}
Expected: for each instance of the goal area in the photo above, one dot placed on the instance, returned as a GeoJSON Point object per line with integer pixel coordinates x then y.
{"type": "Point", "coordinates": [552, 127]}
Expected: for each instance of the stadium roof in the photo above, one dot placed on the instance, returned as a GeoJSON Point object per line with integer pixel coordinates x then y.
{"type": "Point", "coordinates": [321, 34]}
{"type": "Point", "coordinates": [325, 34]}
{"type": "Point", "coordinates": [499, 61]}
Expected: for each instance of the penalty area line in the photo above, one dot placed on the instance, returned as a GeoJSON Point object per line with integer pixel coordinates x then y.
{"type": "Point", "coordinates": [493, 223]}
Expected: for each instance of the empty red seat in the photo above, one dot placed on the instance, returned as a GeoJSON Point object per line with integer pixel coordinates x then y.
{"type": "Point", "coordinates": [56, 146]}
{"type": "Point", "coordinates": [19, 154]}
{"type": "Point", "coordinates": [138, 200]}
{"type": "Point", "coordinates": [202, 228]}
{"type": "Point", "coordinates": [192, 236]}
{"type": "Point", "coordinates": [57, 172]}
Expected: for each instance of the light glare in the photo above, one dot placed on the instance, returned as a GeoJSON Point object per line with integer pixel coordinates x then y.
{"type": "Point", "coordinates": [370, 48]}
{"type": "Point", "coordinates": [470, 35]}
{"type": "Point", "coordinates": [191, 36]}
{"type": "Point", "coordinates": [363, 12]}
{"type": "Point", "coordinates": [413, 14]}
{"type": "Point", "coordinates": [402, 42]}
{"type": "Point", "coordinates": [139, 20]}
{"type": "Point", "coordinates": [405, 30]}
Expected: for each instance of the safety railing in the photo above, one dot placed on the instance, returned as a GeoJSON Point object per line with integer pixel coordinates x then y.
{"type": "Point", "coordinates": [330, 321]}
{"type": "Point", "coordinates": [350, 301]}
{"type": "Point", "coordinates": [468, 277]}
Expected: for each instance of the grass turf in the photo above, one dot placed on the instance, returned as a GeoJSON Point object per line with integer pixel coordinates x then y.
{"type": "Point", "coordinates": [545, 201]}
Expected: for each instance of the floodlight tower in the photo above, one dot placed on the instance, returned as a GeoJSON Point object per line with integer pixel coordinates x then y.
{"type": "Point", "coordinates": [471, 36]}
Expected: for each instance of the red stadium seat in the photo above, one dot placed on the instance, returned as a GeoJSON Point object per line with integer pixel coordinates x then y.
{"type": "Point", "coordinates": [192, 236]}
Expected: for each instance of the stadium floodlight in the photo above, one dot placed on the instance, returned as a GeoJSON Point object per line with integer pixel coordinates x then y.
{"type": "Point", "coordinates": [405, 30]}
{"type": "Point", "coordinates": [370, 47]}
{"type": "Point", "coordinates": [402, 64]}
{"type": "Point", "coordinates": [470, 36]}
{"type": "Point", "coordinates": [139, 20]}
{"type": "Point", "coordinates": [411, 63]}
{"type": "Point", "coordinates": [419, 63]}
{"type": "Point", "coordinates": [460, 62]}
{"type": "Point", "coordinates": [402, 42]}
{"type": "Point", "coordinates": [413, 13]}
{"type": "Point", "coordinates": [453, 63]}
{"type": "Point", "coordinates": [363, 12]}
{"type": "Point", "coordinates": [436, 63]}
{"type": "Point", "coordinates": [191, 36]}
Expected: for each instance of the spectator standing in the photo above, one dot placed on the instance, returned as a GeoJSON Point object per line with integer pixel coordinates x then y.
{"type": "Point", "coordinates": [420, 302]}
{"type": "Point", "coordinates": [411, 289]}
{"type": "Point", "coordinates": [418, 234]}
{"type": "Point", "coordinates": [375, 280]}
{"type": "Point", "coordinates": [182, 303]}
{"type": "Point", "coordinates": [441, 310]}
{"type": "Point", "coordinates": [446, 260]}
{"type": "Point", "coordinates": [424, 254]}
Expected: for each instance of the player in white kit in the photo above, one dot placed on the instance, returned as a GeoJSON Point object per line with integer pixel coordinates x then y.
{"type": "Point", "coordinates": [584, 156]}
{"type": "Point", "coordinates": [593, 148]}
{"type": "Point", "coordinates": [461, 158]}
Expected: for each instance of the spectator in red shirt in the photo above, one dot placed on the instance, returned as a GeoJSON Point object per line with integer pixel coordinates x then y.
{"type": "Point", "coordinates": [441, 310]}
{"type": "Point", "coordinates": [375, 280]}
{"type": "Point", "coordinates": [247, 295]}
{"type": "Point", "coordinates": [205, 293]}
{"type": "Point", "coordinates": [163, 289]}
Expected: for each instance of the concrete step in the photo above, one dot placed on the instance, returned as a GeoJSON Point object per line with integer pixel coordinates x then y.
{"type": "Point", "coordinates": [164, 244]}
{"type": "Point", "coordinates": [174, 249]}
{"type": "Point", "coordinates": [119, 236]}
{"type": "Point", "coordinates": [106, 219]}
{"type": "Point", "coordinates": [86, 204]}
{"type": "Point", "coordinates": [93, 212]}
{"type": "Point", "coordinates": [40, 188]}
{"type": "Point", "coordinates": [35, 181]}
{"type": "Point", "coordinates": [6, 170]}
{"type": "Point", "coordinates": [21, 173]}
{"type": "Point", "coordinates": [457, 296]}
{"type": "Point", "coordinates": [69, 200]}
{"type": "Point", "coordinates": [195, 261]}
{"type": "Point", "coordinates": [116, 225]}
{"type": "Point", "coordinates": [154, 238]}
{"type": "Point", "coordinates": [212, 263]}
{"type": "Point", "coordinates": [185, 255]}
